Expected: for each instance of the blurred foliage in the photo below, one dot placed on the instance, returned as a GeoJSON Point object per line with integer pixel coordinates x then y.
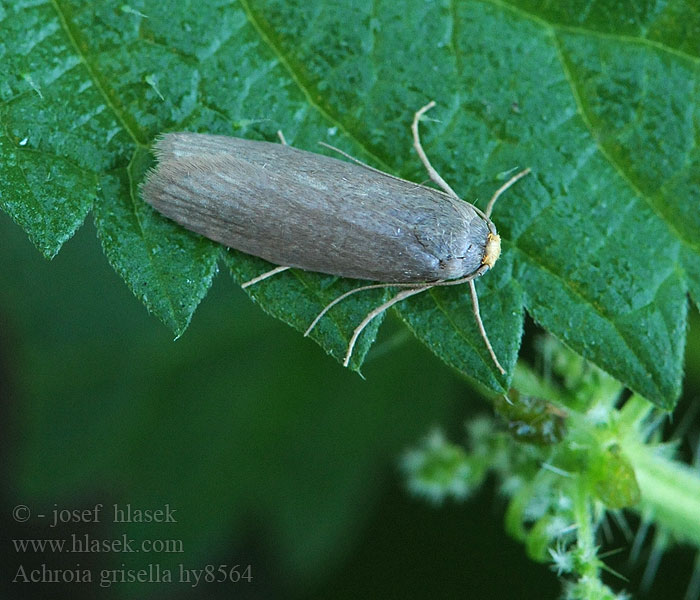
{"type": "Point", "coordinates": [568, 463]}
{"type": "Point", "coordinates": [235, 424]}
{"type": "Point", "coordinates": [102, 406]}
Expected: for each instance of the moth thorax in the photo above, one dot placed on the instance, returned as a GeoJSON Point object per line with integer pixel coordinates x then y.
{"type": "Point", "coordinates": [492, 250]}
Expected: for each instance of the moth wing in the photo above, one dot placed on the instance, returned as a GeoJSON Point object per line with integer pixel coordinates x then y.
{"type": "Point", "coordinates": [310, 211]}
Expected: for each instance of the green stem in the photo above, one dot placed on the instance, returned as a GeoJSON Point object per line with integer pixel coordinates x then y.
{"type": "Point", "coordinates": [670, 493]}
{"type": "Point", "coordinates": [587, 566]}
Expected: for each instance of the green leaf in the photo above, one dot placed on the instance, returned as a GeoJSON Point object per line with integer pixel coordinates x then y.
{"type": "Point", "coordinates": [297, 297]}
{"type": "Point", "coordinates": [616, 485]}
{"type": "Point", "coordinates": [601, 242]}
{"type": "Point", "coordinates": [48, 196]}
{"type": "Point", "coordinates": [443, 318]}
{"type": "Point", "coordinates": [168, 268]}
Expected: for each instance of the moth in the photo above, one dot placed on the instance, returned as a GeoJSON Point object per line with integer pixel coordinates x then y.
{"type": "Point", "coordinates": [302, 210]}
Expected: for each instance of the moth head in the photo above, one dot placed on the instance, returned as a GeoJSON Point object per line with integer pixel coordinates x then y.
{"type": "Point", "coordinates": [492, 250]}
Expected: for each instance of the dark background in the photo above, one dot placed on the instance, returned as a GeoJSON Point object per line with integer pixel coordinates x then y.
{"type": "Point", "coordinates": [271, 453]}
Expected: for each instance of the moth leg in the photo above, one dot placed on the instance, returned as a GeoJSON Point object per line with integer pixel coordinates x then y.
{"type": "Point", "coordinates": [480, 325]}
{"type": "Point", "coordinates": [280, 135]}
{"type": "Point", "coordinates": [378, 311]}
{"type": "Point", "coordinates": [331, 304]}
{"type": "Point", "coordinates": [434, 175]}
{"type": "Point", "coordinates": [265, 275]}
{"type": "Point", "coordinates": [475, 304]}
{"type": "Point", "coordinates": [503, 188]}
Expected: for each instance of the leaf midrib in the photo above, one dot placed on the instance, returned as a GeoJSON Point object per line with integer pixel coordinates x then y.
{"type": "Point", "coordinates": [72, 35]}
{"type": "Point", "coordinates": [592, 32]}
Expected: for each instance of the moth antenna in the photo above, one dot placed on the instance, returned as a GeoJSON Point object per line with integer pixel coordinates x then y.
{"type": "Point", "coordinates": [370, 167]}
{"type": "Point", "coordinates": [265, 275]}
{"type": "Point", "coordinates": [434, 175]}
{"type": "Point", "coordinates": [503, 188]}
{"type": "Point", "coordinates": [280, 135]}
{"type": "Point", "coordinates": [331, 304]}
{"type": "Point", "coordinates": [351, 157]}
{"type": "Point", "coordinates": [378, 311]}
{"type": "Point", "coordinates": [480, 324]}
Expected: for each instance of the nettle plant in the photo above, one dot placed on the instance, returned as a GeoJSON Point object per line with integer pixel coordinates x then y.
{"type": "Point", "coordinates": [601, 242]}
{"type": "Point", "coordinates": [570, 450]}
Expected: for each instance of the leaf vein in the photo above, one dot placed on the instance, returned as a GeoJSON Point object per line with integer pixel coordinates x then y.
{"type": "Point", "coordinates": [93, 73]}
{"type": "Point", "coordinates": [149, 247]}
{"type": "Point", "coordinates": [657, 208]}
{"type": "Point", "coordinates": [593, 32]}
{"type": "Point", "coordinates": [301, 85]}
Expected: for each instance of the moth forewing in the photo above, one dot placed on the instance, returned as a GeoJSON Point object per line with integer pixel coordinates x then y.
{"type": "Point", "coordinates": [314, 212]}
